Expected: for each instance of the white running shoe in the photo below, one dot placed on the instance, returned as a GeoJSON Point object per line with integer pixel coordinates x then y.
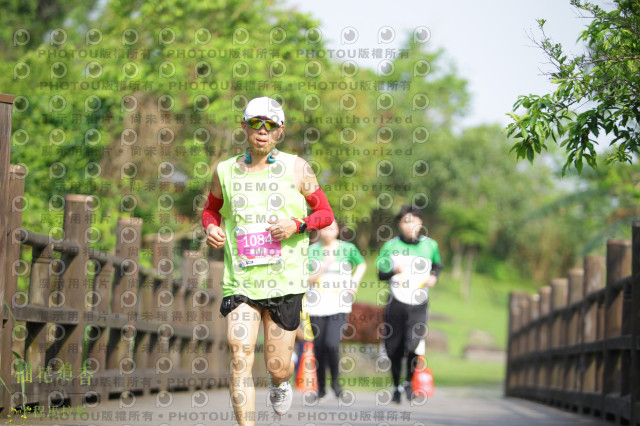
{"type": "Point", "coordinates": [281, 398]}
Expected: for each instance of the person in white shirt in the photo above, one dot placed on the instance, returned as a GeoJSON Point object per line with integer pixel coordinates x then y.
{"type": "Point", "coordinates": [336, 269]}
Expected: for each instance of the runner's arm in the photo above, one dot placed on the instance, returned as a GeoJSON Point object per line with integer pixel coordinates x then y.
{"type": "Point", "coordinates": [211, 217]}
{"type": "Point", "coordinates": [384, 264]}
{"type": "Point", "coordinates": [436, 261]}
{"type": "Point", "coordinates": [436, 268]}
{"type": "Point", "coordinates": [308, 186]}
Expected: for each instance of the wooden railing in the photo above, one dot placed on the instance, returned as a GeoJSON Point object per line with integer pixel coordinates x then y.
{"type": "Point", "coordinates": [576, 343]}
{"type": "Point", "coordinates": [93, 325]}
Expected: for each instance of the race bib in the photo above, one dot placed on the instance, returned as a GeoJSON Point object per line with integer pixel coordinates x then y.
{"type": "Point", "coordinates": [408, 286]}
{"type": "Point", "coordinates": [256, 246]}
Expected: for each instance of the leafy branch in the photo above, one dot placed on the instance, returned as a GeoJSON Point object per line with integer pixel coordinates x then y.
{"type": "Point", "coordinates": [596, 92]}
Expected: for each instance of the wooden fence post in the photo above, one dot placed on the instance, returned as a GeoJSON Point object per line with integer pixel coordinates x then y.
{"type": "Point", "coordinates": [6, 105]}
{"type": "Point", "coordinates": [98, 334]}
{"type": "Point", "coordinates": [635, 324]}
{"type": "Point", "coordinates": [573, 376]}
{"type": "Point", "coordinates": [559, 297]}
{"type": "Point", "coordinates": [544, 375]}
{"type": "Point", "coordinates": [193, 273]}
{"type": "Point", "coordinates": [39, 289]}
{"type": "Point", "coordinates": [15, 192]}
{"type": "Point", "coordinates": [523, 342]}
{"type": "Point", "coordinates": [516, 315]}
{"type": "Point", "coordinates": [15, 267]}
{"type": "Point", "coordinates": [177, 343]}
{"type": "Point", "coordinates": [189, 283]}
{"type": "Point", "coordinates": [202, 333]}
{"type": "Point", "coordinates": [618, 267]}
{"type": "Point", "coordinates": [517, 342]}
{"type": "Point", "coordinates": [576, 294]}
{"type": "Point", "coordinates": [594, 276]}
{"type": "Point", "coordinates": [163, 297]}
{"type": "Point", "coordinates": [594, 280]}
{"type": "Point", "coordinates": [511, 347]}
{"type": "Point", "coordinates": [74, 283]}
{"type": "Point", "coordinates": [124, 300]}
{"type": "Point", "coordinates": [144, 335]}
{"type": "Point", "coordinates": [211, 313]}
{"type": "Point", "coordinates": [559, 294]}
{"type": "Point", "coordinates": [534, 339]}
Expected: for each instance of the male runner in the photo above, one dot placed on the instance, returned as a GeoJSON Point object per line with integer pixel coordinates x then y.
{"type": "Point", "coordinates": [263, 197]}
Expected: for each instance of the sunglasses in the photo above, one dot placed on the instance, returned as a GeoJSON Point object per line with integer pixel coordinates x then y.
{"type": "Point", "coordinates": [256, 123]}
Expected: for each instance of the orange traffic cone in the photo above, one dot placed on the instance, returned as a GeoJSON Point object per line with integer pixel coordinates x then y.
{"type": "Point", "coordinates": [307, 378]}
{"type": "Point", "coordinates": [422, 380]}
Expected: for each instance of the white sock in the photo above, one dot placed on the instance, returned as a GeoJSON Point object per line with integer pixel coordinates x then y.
{"type": "Point", "coordinates": [283, 384]}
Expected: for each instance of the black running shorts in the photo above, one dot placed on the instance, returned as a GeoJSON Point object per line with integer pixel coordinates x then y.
{"type": "Point", "coordinates": [284, 310]}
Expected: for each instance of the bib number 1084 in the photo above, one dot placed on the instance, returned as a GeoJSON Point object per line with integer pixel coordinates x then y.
{"type": "Point", "coordinates": [254, 240]}
{"type": "Point", "coordinates": [256, 246]}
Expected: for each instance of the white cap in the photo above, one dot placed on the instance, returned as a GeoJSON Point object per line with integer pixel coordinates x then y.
{"type": "Point", "coordinates": [264, 107]}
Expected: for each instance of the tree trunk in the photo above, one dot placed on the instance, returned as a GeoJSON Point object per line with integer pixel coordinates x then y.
{"type": "Point", "coordinates": [364, 237]}
{"type": "Point", "coordinates": [465, 285]}
{"type": "Point", "coordinates": [456, 267]}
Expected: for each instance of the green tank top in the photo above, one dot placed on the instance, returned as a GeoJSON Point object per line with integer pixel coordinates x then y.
{"type": "Point", "coordinates": [251, 200]}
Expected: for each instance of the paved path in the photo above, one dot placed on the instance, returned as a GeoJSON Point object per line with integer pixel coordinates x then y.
{"type": "Point", "coordinates": [449, 406]}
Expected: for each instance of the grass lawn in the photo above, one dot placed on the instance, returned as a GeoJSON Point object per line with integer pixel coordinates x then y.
{"type": "Point", "coordinates": [456, 371]}
{"type": "Point", "coordinates": [447, 370]}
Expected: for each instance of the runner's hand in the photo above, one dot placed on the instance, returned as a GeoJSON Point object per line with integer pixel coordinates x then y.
{"type": "Point", "coordinates": [431, 281]}
{"type": "Point", "coordinates": [282, 229]}
{"type": "Point", "coordinates": [215, 236]}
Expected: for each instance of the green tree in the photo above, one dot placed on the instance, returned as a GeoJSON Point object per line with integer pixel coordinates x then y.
{"type": "Point", "coordinates": [140, 88]}
{"type": "Point", "coordinates": [597, 91]}
{"type": "Point", "coordinates": [428, 95]}
{"type": "Point", "coordinates": [133, 88]}
{"type": "Point", "coordinates": [598, 205]}
{"type": "Point", "coordinates": [480, 196]}
{"type": "Point", "coordinates": [24, 24]}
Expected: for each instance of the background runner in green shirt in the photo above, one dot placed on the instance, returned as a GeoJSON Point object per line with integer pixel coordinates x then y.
{"type": "Point", "coordinates": [410, 263]}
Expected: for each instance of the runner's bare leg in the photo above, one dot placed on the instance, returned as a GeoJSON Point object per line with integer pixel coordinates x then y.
{"type": "Point", "coordinates": [243, 324]}
{"type": "Point", "coordinates": [278, 347]}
